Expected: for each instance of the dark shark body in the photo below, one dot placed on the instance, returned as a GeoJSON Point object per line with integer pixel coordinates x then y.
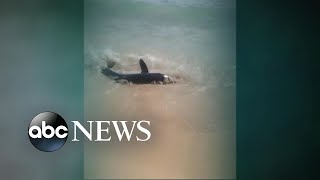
{"type": "Point", "coordinates": [137, 78]}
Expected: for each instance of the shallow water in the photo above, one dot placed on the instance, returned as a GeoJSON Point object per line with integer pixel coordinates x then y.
{"type": "Point", "coordinates": [192, 121]}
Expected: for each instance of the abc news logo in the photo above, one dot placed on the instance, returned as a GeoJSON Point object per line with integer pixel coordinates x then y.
{"type": "Point", "coordinates": [48, 131]}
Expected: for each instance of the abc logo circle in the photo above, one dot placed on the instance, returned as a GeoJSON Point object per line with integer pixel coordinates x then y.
{"type": "Point", "coordinates": [48, 131]}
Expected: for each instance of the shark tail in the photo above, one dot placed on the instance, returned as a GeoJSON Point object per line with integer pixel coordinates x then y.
{"type": "Point", "coordinates": [108, 72]}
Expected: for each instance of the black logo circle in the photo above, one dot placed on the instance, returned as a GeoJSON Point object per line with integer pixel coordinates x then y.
{"type": "Point", "coordinates": [48, 131]}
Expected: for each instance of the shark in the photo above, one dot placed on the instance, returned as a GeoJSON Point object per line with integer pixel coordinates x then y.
{"type": "Point", "coordinates": [145, 77]}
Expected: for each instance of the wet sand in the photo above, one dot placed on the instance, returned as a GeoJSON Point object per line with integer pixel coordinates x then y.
{"type": "Point", "coordinates": [190, 137]}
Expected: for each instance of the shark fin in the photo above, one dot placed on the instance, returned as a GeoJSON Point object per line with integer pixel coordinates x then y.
{"type": "Point", "coordinates": [143, 66]}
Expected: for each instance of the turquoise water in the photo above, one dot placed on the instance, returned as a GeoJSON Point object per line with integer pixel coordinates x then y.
{"type": "Point", "coordinates": [191, 40]}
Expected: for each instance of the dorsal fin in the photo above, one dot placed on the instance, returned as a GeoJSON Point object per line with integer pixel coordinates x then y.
{"type": "Point", "coordinates": [143, 66]}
